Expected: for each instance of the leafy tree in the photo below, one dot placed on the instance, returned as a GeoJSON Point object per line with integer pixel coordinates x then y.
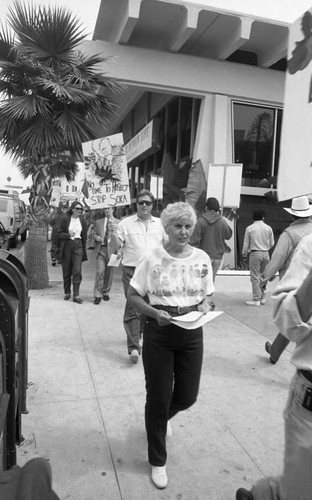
{"type": "Point", "coordinates": [53, 99]}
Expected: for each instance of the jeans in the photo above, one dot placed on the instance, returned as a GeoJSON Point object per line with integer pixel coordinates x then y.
{"type": "Point", "coordinates": [215, 264]}
{"type": "Point", "coordinates": [71, 266]}
{"type": "Point", "coordinates": [103, 274]}
{"type": "Point", "coordinates": [296, 481]}
{"type": "Point", "coordinates": [258, 261]}
{"type": "Point", "coordinates": [172, 360]}
{"type": "Point", "coordinates": [131, 318]}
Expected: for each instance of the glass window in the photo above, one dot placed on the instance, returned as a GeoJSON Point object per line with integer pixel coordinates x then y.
{"type": "Point", "coordinates": [186, 127]}
{"type": "Point", "coordinates": [256, 140]}
{"type": "Point", "coordinates": [172, 132]}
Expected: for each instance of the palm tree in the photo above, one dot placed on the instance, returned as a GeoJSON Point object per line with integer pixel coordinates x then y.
{"type": "Point", "coordinates": [54, 97]}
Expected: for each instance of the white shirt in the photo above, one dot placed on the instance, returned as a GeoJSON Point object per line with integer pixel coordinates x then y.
{"type": "Point", "coordinates": [136, 237]}
{"type": "Point", "coordinates": [173, 282]}
{"type": "Point", "coordinates": [258, 236]}
{"type": "Point", "coordinates": [75, 225]}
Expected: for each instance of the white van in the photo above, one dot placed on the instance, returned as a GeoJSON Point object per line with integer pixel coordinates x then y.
{"type": "Point", "coordinates": [13, 216]}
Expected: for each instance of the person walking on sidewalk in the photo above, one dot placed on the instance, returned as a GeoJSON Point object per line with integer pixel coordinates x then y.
{"type": "Point", "coordinates": [103, 227]}
{"type": "Point", "coordinates": [292, 315]}
{"type": "Point", "coordinates": [176, 278]}
{"type": "Point", "coordinates": [258, 240]}
{"type": "Point", "coordinates": [281, 257]}
{"type": "Point", "coordinates": [210, 233]}
{"type": "Point", "coordinates": [54, 220]}
{"type": "Point", "coordinates": [134, 236]}
{"type": "Point", "coordinates": [73, 237]}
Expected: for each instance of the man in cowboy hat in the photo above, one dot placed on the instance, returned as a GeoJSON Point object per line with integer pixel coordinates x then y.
{"type": "Point", "coordinates": [292, 314]}
{"type": "Point", "coordinates": [281, 257]}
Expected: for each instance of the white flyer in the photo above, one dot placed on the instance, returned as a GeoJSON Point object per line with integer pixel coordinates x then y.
{"type": "Point", "coordinates": [195, 319]}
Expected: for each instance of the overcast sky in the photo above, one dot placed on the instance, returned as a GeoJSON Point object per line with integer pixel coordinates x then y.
{"type": "Point", "coordinates": [87, 10]}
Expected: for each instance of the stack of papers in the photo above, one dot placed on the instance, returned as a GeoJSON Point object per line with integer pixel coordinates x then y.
{"type": "Point", "coordinates": [195, 319]}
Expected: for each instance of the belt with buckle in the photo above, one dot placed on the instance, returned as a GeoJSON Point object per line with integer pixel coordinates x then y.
{"type": "Point", "coordinates": [176, 311]}
{"type": "Point", "coordinates": [307, 374]}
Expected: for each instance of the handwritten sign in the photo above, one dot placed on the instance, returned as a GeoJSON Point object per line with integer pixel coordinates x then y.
{"type": "Point", "coordinates": [106, 172]}
{"type": "Point", "coordinates": [295, 164]}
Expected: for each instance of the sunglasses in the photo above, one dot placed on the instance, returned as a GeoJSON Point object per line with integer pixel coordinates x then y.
{"type": "Point", "coordinates": [78, 208]}
{"type": "Point", "coordinates": [147, 203]}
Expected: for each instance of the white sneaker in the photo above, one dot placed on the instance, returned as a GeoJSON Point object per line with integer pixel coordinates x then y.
{"type": "Point", "coordinates": [253, 302]}
{"type": "Point", "coordinates": [159, 476]}
{"type": "Point", "coordinates": [169, 429]}
{"type": "Point", "coordinates": [262, 301]}
{"type": "Point", "coordinates": [134, 356]}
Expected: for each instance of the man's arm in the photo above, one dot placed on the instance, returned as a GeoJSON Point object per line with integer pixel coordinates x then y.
{"type": "Point", "coordinates": [304, 298]}
{"type": "Point", "coordinates": [116, 238]}
{"type": "Point", "coordinates": [246, 243]}
{"type": "Point", "coordinates": [197, 235]}
{"type": "Point", "coordinates": [228, 231]}
{"type": "Point", "coordinates": [292, 311]}
{"type": "Point", "coordinates": [279, 257]}
{"type": "Point", "coordinates": [97, 237]}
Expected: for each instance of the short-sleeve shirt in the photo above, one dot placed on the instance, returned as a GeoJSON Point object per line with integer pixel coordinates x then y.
{"type": "Point", "coordinates": [136, 237]}
{"type": "Point", "coordinates": [169, 281]}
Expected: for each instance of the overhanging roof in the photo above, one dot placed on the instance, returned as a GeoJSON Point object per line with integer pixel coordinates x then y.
{"type": "Point", "coordinates": [202, 31]}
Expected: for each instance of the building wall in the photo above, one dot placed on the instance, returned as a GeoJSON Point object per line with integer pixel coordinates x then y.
{"type": "Point", "coordinates": [215, 82]}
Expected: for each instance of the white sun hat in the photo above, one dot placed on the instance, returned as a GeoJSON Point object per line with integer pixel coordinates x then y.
{"type": "Point", "coordinates": [300, 207]}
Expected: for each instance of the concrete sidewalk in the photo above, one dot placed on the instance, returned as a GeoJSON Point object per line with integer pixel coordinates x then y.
{"type": "Point", "coordinates": [86, 401]}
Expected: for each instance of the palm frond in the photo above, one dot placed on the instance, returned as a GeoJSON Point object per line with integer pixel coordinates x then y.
{"type": "Point", "coordinates": [76, 128]}
{"type": "Point", "coordinates": [24, 108]}
{"type": "Point", "coordinates": [48, 34]}
{"type": "Point", "coordinates": [54, 167]}
{"type": "Point", "coordinates": [7, 40]}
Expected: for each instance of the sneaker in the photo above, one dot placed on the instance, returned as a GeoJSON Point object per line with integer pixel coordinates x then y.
{"type": "Point", "coordinates": [97, 300]}
{"type": "Point", "coordinates": [267, 347]}
{"type": "Point", "coordinates": [243, 494]}
{"type": "Point", "coordinates": [67, 296]}
{"type": "Point", "coordinates": [262, 301]}
{"type": "Point", "coordinates": [134, 356]}
{"type": "Point", "coordinates": [159, 476]}
{"type": "Point", "coordinates": [105, 296]}
{"type": "Point", "coordinates": [169, 429]}
{"type": "Point", "coordinates": [253, 303]}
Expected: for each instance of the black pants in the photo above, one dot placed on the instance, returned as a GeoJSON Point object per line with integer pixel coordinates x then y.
{"type": "Point", "coordinates": [172, 359]}
{"type": "Point", "coordinates": [71, 266]}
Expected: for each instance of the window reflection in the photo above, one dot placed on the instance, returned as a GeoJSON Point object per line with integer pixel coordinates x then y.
{"type": "Point", "coordinates": [256, 142]}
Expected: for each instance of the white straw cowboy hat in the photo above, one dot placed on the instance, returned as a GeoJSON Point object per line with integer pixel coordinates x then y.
{"type": "Point", "coordinates": [300, 207]}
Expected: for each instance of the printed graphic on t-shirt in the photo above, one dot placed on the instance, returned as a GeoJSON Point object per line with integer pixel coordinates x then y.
{"type": "Point", "coordinates": [172, 278]}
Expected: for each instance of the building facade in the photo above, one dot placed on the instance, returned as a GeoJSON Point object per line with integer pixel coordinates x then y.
{"type": "Point", "coordinates": [203, 85]}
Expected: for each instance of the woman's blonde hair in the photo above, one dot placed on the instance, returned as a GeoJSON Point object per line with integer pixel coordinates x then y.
{"type": "Point", "coordinates": [175, 211]}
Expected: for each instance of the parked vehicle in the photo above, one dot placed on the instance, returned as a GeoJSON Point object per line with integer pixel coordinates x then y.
{"type": "Point", "coordinates": [4, 237]}
{"type": "Point", "coordinates": [13, 216]}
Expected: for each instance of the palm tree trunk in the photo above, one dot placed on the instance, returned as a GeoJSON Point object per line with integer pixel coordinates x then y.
{"type": "Point", "coordinates": [36, 256]}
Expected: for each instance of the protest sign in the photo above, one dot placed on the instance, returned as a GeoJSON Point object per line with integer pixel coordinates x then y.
{"type": "Point", "coordinates": [107, 183]}
{"type": "Point", "coordinates": [295, 164]}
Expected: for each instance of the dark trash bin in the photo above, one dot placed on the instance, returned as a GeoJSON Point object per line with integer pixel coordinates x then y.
{"type": "Point", "coordinates": [14, 306]}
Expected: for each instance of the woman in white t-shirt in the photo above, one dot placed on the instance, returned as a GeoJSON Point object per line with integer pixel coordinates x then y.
{"type": "Point", "coordinates": [170, 281]}
{"type": "Point", "coordinates": [73, 237]}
